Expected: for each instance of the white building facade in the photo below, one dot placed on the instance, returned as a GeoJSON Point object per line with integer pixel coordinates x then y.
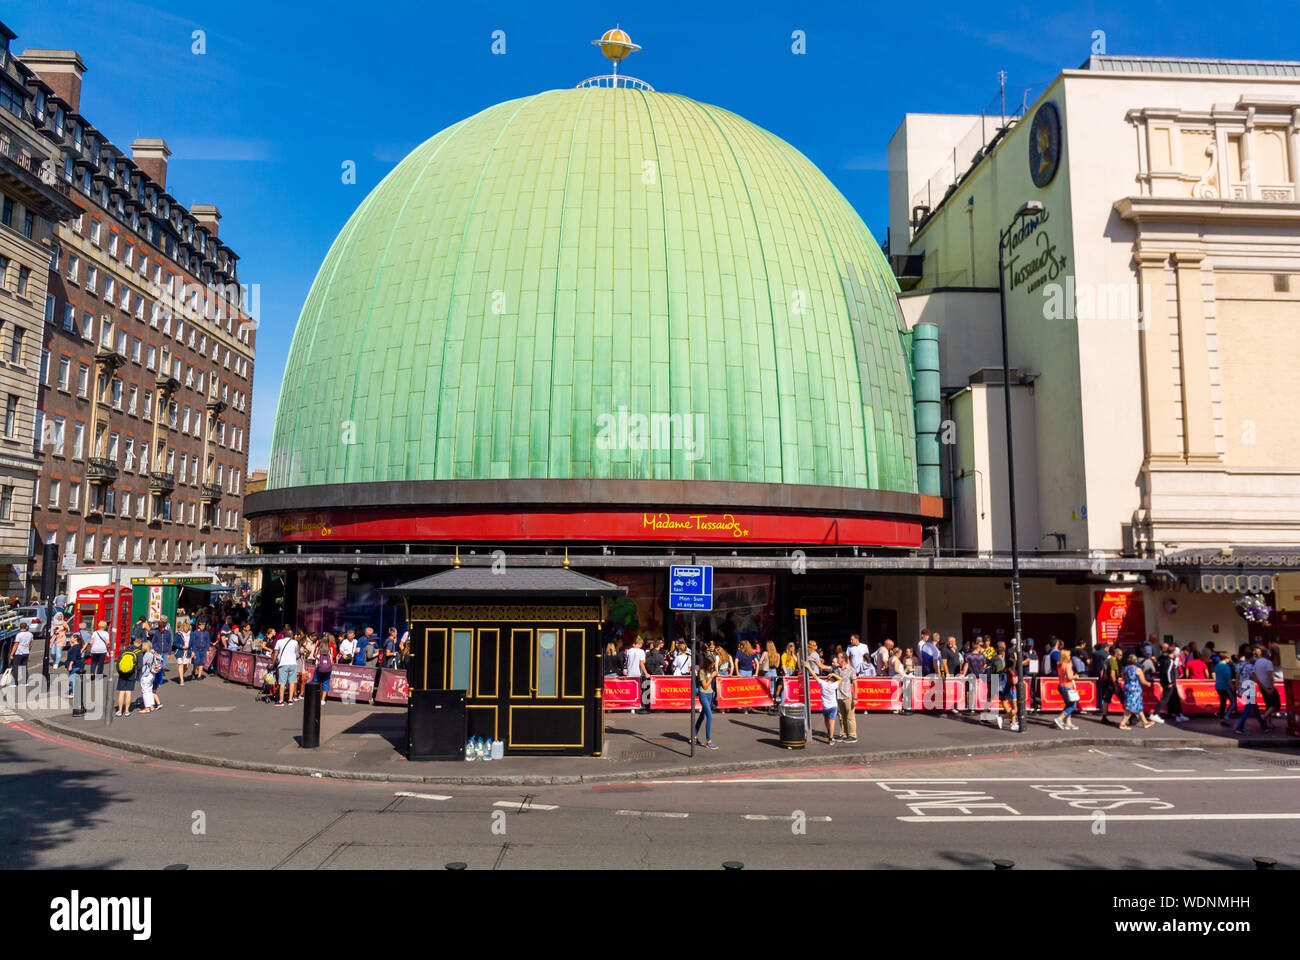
{"type": "Point", "coordinates": [1153, 311]}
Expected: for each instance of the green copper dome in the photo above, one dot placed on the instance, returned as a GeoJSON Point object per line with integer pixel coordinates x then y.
{"type": "Point", "coordinates": [544, 268]}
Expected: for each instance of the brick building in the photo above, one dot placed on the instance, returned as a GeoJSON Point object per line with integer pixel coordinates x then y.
{"type": "Point", "coordinates": [32, 201]}
{"type": "Point", "coordinates": [147, 364]}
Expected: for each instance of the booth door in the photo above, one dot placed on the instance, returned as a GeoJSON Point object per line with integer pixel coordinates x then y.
{"type": "Point", "coordinates": [464, 658]}
{"type": "Point", "coordinates": [546, 709]}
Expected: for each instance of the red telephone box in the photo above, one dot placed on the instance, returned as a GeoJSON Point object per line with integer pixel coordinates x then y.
{"type": "Point", "coordinates": [96, 604]}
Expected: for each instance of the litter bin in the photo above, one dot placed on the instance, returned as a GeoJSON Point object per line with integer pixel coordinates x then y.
{"type": "Point", "coordinates": [794, 733]}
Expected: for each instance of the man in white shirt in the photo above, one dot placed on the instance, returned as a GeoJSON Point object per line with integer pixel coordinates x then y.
{"type": "Point", "coordinates": [857, 652]}
{"type": "Point", "coordinates": [347, 648]}
{"type": "Point", "coordinates": [22, 650]}
{"type": "Point", "coordinates": [636, 665]}
{"type": "Point", "coordinates": [1267, 688]}
{"type": "Point", "coordinates": [286, 663]}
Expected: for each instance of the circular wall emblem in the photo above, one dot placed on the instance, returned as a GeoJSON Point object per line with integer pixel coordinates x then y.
{"type": "Point", "coordinates": [1045, 144]}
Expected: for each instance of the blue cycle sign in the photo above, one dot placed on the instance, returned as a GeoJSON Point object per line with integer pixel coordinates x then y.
{"type": "Point", "coordinates": [690, 588]}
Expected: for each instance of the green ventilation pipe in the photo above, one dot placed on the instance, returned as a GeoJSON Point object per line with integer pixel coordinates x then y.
{"type": "Point", "coordinates": [925, 366]}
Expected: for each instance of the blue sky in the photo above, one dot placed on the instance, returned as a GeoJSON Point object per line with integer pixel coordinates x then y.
{"type": "Point", "coordinates": [286, 92]}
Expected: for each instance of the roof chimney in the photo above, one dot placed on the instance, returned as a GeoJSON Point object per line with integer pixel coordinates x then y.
{"type": "Point", "coordinates": [62, 70]}
{"type": "Point", "coordinates": [208, 216]}
{"type": "Point", "coordinates": [150, 155]}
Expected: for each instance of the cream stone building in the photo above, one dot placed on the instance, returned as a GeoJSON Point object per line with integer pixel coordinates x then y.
{"type": "Point", "coordinates": [1153, 309]}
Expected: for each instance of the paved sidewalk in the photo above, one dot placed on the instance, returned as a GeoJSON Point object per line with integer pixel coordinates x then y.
{"type": "Point", "coordinates": [224, 724]}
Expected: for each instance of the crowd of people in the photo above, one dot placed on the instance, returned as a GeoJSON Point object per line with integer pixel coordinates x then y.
{"type": "Point", "coordinates": [153, 646]}
{"type": "Point", "coordinates": [1251, 674]}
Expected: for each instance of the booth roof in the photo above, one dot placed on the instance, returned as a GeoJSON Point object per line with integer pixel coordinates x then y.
{"type": "Point", "coordinates": [554, 582]}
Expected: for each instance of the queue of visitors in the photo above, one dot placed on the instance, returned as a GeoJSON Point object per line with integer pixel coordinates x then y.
{"type": "Point", "coordinates": [1251, 675]}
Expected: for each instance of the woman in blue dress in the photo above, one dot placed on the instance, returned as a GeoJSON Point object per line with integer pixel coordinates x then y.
{"type": "Point", "coordinates": [1134, 681]}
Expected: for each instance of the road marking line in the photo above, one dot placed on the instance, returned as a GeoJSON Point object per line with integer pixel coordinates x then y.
{"type": "Point", "coordinates": [210, 709]}
{"type": "Point", "coordinates": [7, 717]}
{"type": "Point", "coordinates": [1046, 778]}
{"type": "Point", "coordinates": [521, 805]}
{"type": "Point", "coordinates": [651, 813]}
{"type": "Point", "coordinates": [763, 816]}
{"type": "Point", "coordinates": [422, 796]}
{"type": "Point", "coordinates": [1170, 770]}
{"type": "Point", "coordinates": [1068, 818]}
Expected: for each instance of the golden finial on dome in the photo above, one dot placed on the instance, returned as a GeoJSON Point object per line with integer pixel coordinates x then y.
{"type": "Point", "coordinates": [616, 45]}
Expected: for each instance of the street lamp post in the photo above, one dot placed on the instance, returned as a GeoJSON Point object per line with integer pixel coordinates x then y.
{"type": "Point", "coordinates": [1029, 208]}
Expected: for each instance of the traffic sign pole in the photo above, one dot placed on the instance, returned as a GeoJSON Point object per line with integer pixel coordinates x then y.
{"type": "Point", "coordinates": [690, 731]}
{"type": "Point", "coordinates": [802, 614]}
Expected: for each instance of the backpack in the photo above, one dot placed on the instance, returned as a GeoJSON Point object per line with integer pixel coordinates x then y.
{"type": "Point", "coordinates": [323, 662]}
{"type": "Point", "coordinates": [126, 663]}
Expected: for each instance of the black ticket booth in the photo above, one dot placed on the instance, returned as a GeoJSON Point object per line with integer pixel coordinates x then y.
{"type": "Point", "coordinates": [522, 643]}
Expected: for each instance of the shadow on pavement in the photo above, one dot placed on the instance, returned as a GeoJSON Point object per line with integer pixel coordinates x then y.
{"type": "Point", "coordinates": [43, 809]}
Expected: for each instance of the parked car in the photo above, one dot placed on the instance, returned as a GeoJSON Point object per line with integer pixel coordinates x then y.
{"type": "Point", "coordinates": [35, 616]}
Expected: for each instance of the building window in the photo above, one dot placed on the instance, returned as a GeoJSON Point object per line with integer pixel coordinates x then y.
{"type": "Point", "coordinates": [49, 308]}
{"type": "Point", "coordinates": [65, 367]}
{"type": "Point", "coordinates": [38, 435]}
{"type": "Point", "coordinates": [78, 439]}
{"type": "Point", "coordinates": [69, 318]}
{"type": "Point", "coordinates": [45, 366]}
{"type": "Point", "coordinates": [16, 350]}
{"type": "Point", "coordinates": [87, 325]}
{"type": "Point", "coordinates": [74, 496]}
{"type": "Point", "coordinates": [29, 224]}
{"type": "Point", "coordinates": [70, 546]}
{"type": "Point", "coordinates": [132, 397]}
{"type": "Point", "coordinates": [54, 503]}
{"type": "Point", "coordinates": [74, 267]}
{"type": "Point", "coordinates": [59, 424]}
{"type": "Point", "coordinates": [6, 501]}
{"type": "Point", "coordinates": [24, 274]}
{"type": "Point", "coordinates": [83, 380]}
{"type": "Point", "coordinates": [11, 414]}
{"type": "Point", "coordinates": [7, 212]}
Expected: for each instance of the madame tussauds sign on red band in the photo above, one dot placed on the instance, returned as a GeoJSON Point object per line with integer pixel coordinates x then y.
{"type": "Point", "coordinates": [560, 525]}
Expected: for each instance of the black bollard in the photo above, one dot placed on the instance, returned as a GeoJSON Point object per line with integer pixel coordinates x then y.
{"type": "Point", "coordinates": [732, 865]}
{"type": "Point", "coordinates": [311, 715]}
{"type": "Point", "coordinates": [1003, 864]}
{"type": "Point", "coordinates": [1265, 863]}
{"type": "Point", "coordinates": [78, 681]}
{"type": "Point", "coordinates": [456, 865]}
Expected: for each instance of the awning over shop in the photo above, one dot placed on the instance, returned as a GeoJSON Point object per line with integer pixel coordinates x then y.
{"type": "Point", "coordinates": [1233, 569]}
{"type": "Point", "coordinates": [515, 582]}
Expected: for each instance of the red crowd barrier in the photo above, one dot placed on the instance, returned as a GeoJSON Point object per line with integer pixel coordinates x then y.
{"type": "Point", "coordinates": [622, 693]}
{"type": "Point", "coordinates": [671, 693]}
{"type": "Point", "coordinates": [735, 693]}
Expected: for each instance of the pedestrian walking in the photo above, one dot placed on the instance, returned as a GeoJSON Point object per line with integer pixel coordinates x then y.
{"type": "Point", "coordinates": [1223, 677]}
{"type": "Point", "coordinates": [20, 651]}
{"type": "Point", "coordinates": [151, 665]}
{"type": "Point", "coordinates": [1267, 684]}
{"type": "Point", "coordinates": [99, 642]}
{"type": "Point", "coordinates": [846, 699]}
{"type": "Point", "coordinates": [184, 655]}
{"type": "Point", "coordinates": [58, 640]}
{"type": "Point", "coordinates": [1067, 686]}
{"type": "Point", "coordinates": [1107, 680]}
{"type": "Point", "coordinates": [128, 673]}
{"type": "Point", "coordinates": [1249, 691]}
{"type": "Point", "coordinates": [1134, 681]}
{"type": "Point", "coordinates": [286, 663]}
{"type": "Point", "coordinates": [704, 690]}
{"type": "Point", "coordinates": [1171, 705]}
{"type": "Point", "coordinates": [325, 664]}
